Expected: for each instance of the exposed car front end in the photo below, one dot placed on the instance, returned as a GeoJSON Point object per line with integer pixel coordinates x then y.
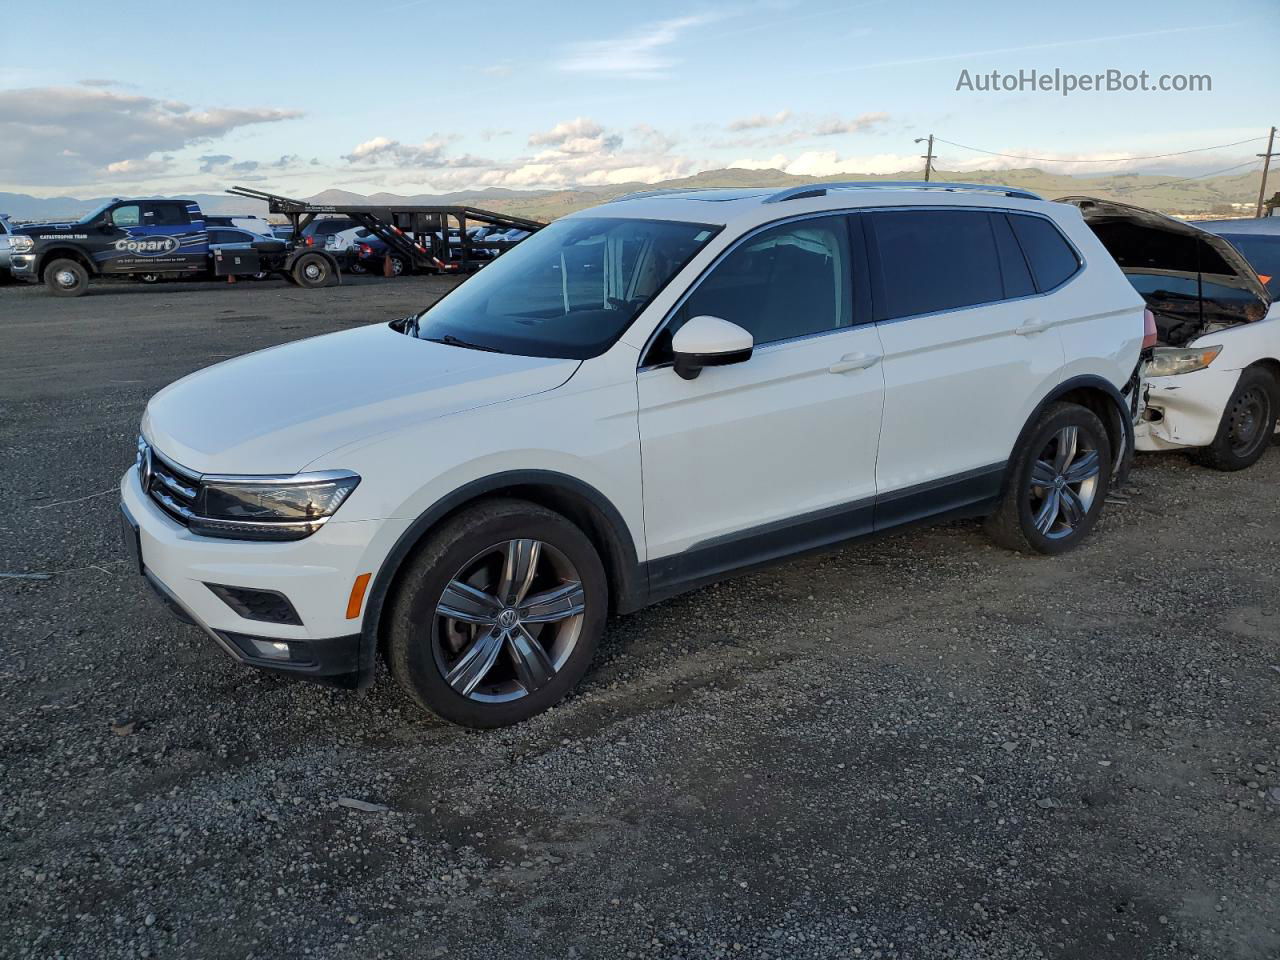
{"type": "Point", "coordinates": [1214, 321]}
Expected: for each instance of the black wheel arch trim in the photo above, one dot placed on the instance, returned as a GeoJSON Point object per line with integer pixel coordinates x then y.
{"type": "Point", "coordinates": [1122, 419]}
{"type": "Point", "coordinates": [58, 250]}
{"type": "Point", "coordinates": [629, 590]}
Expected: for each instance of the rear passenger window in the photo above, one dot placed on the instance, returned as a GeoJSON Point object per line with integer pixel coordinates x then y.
{"type": "Point", "coordinates": [1051, 257]}
{"type": "Point", "coordinates": [933, 260]}
{"type": "Point", "coordinates": [165, 215]}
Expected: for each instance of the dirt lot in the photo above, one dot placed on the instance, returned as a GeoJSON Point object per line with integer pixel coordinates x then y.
{"type": "Point", "coordinates": [924, 747]}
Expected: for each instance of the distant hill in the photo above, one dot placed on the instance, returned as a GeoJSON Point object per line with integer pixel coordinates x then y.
{"type": "Point", "coordinates": [1168, 194]}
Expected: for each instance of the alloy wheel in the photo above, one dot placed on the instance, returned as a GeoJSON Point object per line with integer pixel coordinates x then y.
{"type": "Point", "coordinates": [1064, 483]}
{"type": "Point", "coordinates": [508, 620]}
{"type": "Point", "coordinates": [65, 278]}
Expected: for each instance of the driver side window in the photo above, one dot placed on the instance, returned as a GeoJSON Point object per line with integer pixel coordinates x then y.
{"type": "Point", "coordinates": [788, 281]}
{"type": "Point", "coordinates": [127, 216]}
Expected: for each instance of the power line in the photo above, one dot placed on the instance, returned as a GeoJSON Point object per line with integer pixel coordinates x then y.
{"type": "Point", "coordinates": [1154, 156]}
{"type": "Point", "coordinates": [1201, 176]}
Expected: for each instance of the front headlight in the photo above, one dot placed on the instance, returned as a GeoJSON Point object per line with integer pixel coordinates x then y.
{"type": "Point", "coordinates": [1170, 361]}
{"type": "Point", "coordinates": [20, 243]}
{"type": "Point", "coordinates": [249, 508]}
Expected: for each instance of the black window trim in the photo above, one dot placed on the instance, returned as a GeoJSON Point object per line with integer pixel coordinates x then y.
{"type": "Point", "coordinates": [861, 293]}
{"type": "Point", "coordinates": [1082, 263]}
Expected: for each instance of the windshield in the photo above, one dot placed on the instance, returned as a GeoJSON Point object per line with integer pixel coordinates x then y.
{"type": "Point", "coordinates": [90, 217]}
{"type": "Point", "coordinates": [568, 291]}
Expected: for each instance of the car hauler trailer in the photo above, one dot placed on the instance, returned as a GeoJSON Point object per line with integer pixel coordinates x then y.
{"type": "Point", "coordinates": [420, 233]}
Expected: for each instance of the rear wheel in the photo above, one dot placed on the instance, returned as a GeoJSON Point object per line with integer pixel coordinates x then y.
{"type": "Point", "coordinates": [1058, 483]}
{"type": "Point", "coordinates": [1247, 423]}
{"type": "Point", "coordinates": [311, 270]}
{"type": "Point", "coordinates": [498, 614]}
{"type": "Point", "coordinates": [66, 278]}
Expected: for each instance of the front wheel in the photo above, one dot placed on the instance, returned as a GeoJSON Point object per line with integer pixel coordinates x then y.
{"type": "Point", "coordinates": [1247, 423]}
{"type": "Point", "coordinates": [498, 614]}
{"type": "Point", "coordinates": [1057, 485]}
{"type": "Point", "coordinates": [66, 278]}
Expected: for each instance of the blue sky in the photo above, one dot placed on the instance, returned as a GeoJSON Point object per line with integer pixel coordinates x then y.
{"type": "Point", "coordinates": [423, 97]}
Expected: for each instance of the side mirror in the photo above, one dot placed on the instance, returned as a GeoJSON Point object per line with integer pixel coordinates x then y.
{"type": "Point", "coordinates": [709, 342]}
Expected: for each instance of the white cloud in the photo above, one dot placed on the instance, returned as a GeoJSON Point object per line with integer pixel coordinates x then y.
{"type": "Point", "coordinates": [638, 54]}
{"type": "Point", "coordinates": [760, 120]}
{"type": "Point", "coordinates": [859, 124]}
{"type": "Point", "coordinates": [385, 150]}
{"type": "Point", "coordinates": [826, 163]}
{"type": "Point", "coordinates": [578, 152]}
{"type": "Point", "coordinates": [73, 135]}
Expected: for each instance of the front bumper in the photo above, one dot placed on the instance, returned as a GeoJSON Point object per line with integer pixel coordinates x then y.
{"type": "Point", "coordinates": [1184, 410]}
{"type": "Point", "coordinates": [23, 266]}
{"type": "Point", "coordinates": [316, 575]}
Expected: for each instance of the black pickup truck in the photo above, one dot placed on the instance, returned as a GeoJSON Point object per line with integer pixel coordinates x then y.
{"type": "Point", "coordinates": [152, 238]}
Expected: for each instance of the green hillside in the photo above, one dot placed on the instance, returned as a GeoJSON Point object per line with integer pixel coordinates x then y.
{"type": "Point", "coordinates": [1189, 198]}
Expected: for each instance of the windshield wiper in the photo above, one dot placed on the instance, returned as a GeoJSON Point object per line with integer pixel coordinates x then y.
{"type": "Point", "coordinates": [453, 341]}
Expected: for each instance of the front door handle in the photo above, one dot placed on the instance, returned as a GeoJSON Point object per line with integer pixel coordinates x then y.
{"type": "Point", "coordinates": [1031, 326]}
{"type": "Point", "coordinates": [851, 362]}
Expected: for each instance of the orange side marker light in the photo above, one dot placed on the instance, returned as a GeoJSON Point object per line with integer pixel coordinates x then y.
{"type": "Point", "coordinates": [357, 595]}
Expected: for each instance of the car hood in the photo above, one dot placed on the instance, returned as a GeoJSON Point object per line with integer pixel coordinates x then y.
{"type": "Point", "coordinates": [275, 411]}
{"type": "Point", "coordinates": [1153, 247]}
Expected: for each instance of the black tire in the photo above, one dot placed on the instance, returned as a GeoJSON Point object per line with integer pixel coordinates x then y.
{"type": "Point", "coordinates": [150, 277]}
{"type": "Point", "coordinates": [1074, 506]}
{"type": "Point", "coordinates": [312, 270]}
{"type": "Point", "coordinates": [1248, 423]}
{"type": "Point", "coordinates": [398, 267]}
{"type": "Point", "coordinates": [66, 278]}
{"type": "Point", "coordinates": [423, 645]}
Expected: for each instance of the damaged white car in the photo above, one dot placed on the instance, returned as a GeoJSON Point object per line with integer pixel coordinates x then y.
{"type": "Point", "coordinates": [1212, 384]}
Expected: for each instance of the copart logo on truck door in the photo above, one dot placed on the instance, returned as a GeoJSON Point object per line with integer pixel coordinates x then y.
{"type": "Point", "coordinates": [147, 246]}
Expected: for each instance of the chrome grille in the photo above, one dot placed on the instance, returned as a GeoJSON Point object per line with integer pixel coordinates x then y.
{"type": "Point", "coordinates": [176, 490]}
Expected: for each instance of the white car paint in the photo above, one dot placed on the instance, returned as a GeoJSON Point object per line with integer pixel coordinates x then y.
{"type": "Point", "coordinates": [792, 431]}
{"type": "Point", "coordinates": [1191, 405]}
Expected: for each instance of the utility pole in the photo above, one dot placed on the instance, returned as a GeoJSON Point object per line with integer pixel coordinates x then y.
{"type": "Point", "coordinates": [1266, 165]}
{"type": "Point", "coordinates": [928, 155]}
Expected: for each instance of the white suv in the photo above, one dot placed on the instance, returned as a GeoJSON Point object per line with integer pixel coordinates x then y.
{"type": "Point", "coordinates": [639, 399]}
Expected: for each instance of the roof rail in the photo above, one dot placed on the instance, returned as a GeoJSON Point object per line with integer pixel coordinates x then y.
{"type": "Point", "coordinates": [821, 189]}
{"type": "Point", "coordinates": [662, 191]}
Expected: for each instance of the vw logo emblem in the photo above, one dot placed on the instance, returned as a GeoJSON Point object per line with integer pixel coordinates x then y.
{"type": "Point", "coordinates": [508, 618]}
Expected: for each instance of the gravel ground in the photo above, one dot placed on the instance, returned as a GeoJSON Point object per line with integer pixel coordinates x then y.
{"type": "Point", "coordinates": [920, 747]}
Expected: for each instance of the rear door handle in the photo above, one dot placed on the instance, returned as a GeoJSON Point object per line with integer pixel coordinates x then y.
{"type": "Point", "coordinates": [1031, 326]}
{"type": "Point", "coordinates": [852, 362]}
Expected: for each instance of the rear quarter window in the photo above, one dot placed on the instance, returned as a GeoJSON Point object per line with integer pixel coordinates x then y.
{"type": "Point", "coordinates": [1052, 259]}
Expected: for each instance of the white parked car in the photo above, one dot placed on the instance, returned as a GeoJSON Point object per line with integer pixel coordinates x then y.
{"type": "Point", "coordinates": [639, 399]}
{"type": "Point", "coordinates": [1212, 386]}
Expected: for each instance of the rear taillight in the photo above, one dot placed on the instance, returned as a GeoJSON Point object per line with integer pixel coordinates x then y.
{"type": "Point", "coordinates": [365, 250]}
{"type": "Point", "coordinates": [311, 241]}
{"type": "Point", "coordinates": [1150, 335]}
